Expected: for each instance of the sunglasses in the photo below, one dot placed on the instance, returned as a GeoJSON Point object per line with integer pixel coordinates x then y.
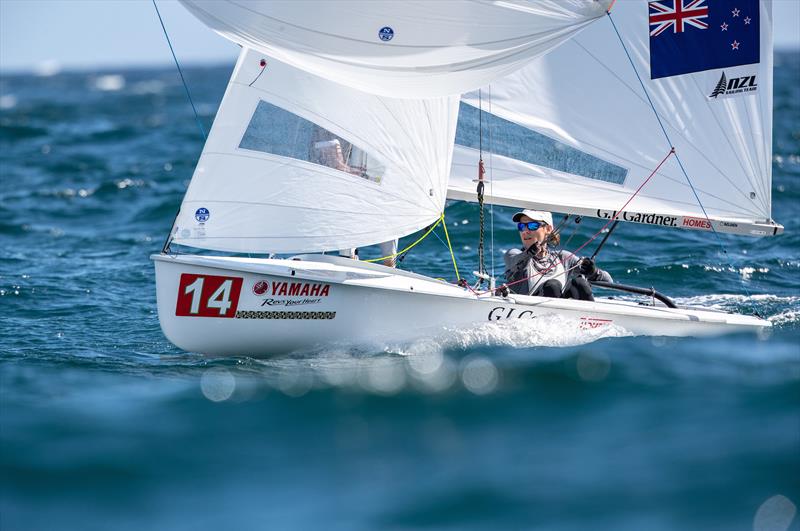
{"type": "Point", "coordinates": [531, 225]}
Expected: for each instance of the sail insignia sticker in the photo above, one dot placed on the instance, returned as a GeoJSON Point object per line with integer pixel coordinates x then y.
{"type": "Point", "coordinates": [386, 33]}
{"type": "Point", "coordinates": [689, 36]}
{"type": "Point", "coordinates": [736, 85]}
{"type": "Point", "coordinates": [202, 215]}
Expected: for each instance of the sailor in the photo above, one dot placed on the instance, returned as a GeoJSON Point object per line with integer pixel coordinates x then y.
{"type": "Point", "coordinates": [535, 269]}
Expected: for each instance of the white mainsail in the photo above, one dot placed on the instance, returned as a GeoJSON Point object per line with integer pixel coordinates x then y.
{"type": "Point", "coordinates": [401, 49]}
{"type": "Point", "coordinates": [295, 163]}
{"type": "Point", "coordinates": [586, 95]}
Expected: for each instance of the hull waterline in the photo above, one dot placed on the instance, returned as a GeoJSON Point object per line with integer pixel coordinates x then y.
{"type": "Point", "coordinates": [263, 307]}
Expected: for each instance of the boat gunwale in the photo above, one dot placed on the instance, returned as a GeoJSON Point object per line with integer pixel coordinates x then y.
{"type": "Point", "coordinates": [445, 289]}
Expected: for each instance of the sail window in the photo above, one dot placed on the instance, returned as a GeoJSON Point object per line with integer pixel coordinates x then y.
{"type": "Point", "coordinates": [506, 138]}
{"type": "Point", "coordinates": [280, 132]}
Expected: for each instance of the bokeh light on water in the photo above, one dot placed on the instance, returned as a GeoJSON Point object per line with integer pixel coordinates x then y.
{"type": "Point", "coordinates": [775, 514]}
{"type": "Point", "coordinates": [479, 375]}
{"type": "Point", "coordinates": [217, 384]}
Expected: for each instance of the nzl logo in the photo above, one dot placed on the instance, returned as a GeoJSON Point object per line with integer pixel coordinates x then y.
{"type": "Point", "coordinates": [733, 86]}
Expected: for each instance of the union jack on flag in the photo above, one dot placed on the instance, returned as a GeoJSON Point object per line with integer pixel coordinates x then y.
{"type": "Point", "coordinates": [677, 14]}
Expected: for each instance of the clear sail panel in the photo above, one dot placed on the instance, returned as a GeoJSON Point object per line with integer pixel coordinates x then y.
{"type": "Point", "coordinates": [280, 132]}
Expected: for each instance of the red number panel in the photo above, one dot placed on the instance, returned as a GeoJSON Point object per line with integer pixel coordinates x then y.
{"type": "Point", "coordinates": [208, 296]}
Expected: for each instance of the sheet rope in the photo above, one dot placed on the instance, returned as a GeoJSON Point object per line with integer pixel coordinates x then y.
{"type": "Point", "coordinates": [441, 221]}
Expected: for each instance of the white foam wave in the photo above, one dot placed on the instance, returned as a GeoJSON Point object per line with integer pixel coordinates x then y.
{"type": "Point", "coordinates": [785, 318]}
{"type": "Point", "coordinates": [726, 301]}
{"type": "Point", "coordinates": [109, 83]}
{"type": "Point", "coordinates": [8, 101]}
{"type": "Point", "coordinates": [152, 86]}
{"type": "Point", "coordinates": [779, 310]}
{"type": "Point", "coordinates": [546, 331]}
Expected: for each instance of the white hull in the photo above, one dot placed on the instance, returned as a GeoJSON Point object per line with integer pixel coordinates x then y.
{"type": "Point", "coordinates": [260, 307]}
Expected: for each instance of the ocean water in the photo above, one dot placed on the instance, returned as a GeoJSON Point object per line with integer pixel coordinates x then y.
{"type": "Point", "coordinates": [105, 425]}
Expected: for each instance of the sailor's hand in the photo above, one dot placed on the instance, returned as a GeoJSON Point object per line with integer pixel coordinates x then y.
{"type": "Point", "coordinates": [588, 269]}
{"type": "Point", "coordinates": [535, 249]}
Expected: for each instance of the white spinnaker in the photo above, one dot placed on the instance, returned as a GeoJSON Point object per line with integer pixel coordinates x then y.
{"type": "Point", "coordinates": [417, 48]}
{"type": "Point", "coordinates": [597, 105]}
{"type": "Point", "coordinates": [244, 199]}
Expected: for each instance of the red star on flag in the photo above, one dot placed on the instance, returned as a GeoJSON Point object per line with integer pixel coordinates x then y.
{"type": "Point", "coordinates": [735, 45]}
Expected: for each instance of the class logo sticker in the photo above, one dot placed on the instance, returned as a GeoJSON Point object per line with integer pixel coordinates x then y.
{"type": "Point", "coordinates": [202, 215]}
{"type": "Point", "coordinates": [386, 34]}
{"type": "Point", "coordinates": [260, 287]}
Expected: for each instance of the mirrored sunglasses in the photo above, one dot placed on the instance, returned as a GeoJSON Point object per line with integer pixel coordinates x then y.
{"type": "Point", "coordinates": [531, 225]}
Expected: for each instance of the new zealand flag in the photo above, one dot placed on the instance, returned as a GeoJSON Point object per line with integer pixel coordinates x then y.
{"type": "Point", "coordinates": [696, 35]}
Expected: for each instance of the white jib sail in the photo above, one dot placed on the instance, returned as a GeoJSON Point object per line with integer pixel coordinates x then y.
{"type": "Point", "coordinates": [295, 163]}
{"type": "Point", "coordinates": [401, 49]}
{"type": "Point", "coordinates": [585, 94]}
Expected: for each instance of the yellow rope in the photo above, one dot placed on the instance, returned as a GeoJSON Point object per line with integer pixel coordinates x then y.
{"type": "Point", "coordinates": [410, 246]}
{"type": "Point", "coordinates": [449, 246]}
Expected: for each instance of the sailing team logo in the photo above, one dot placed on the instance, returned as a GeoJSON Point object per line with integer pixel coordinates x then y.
{"type": "Point", "coordinates": [202, 214]}
{"type": "Point", "coordinates": [720, 88]}
{"type": "Point", "coordinates": [733, 86]}
{"type": "Point", "coordinates": [386, 33]}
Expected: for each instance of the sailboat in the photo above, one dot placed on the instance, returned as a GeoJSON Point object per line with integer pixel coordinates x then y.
{"type": "Point", "coordinates": [339, 129]}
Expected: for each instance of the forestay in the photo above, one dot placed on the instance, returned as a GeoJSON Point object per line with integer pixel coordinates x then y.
{"type": "Point", "coordinates": [401, 49]}
{"type": "Point", "coordinates": [295, 163]}
{"type": "Point", "coordinates": [586, 95]}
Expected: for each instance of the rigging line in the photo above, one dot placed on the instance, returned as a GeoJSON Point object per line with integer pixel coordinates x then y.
{"type": "Point", "coordinates": [491, 180]}
{"type": "Point", "coordinates": [443, 243]}
{"type": "Point", "coordinates": [643, 101]}
{"type": "Point", "coordinates": [605, 238]}
{"type": "Point", "coordinates": [166, 247]}
{"type": "Point", "coordinates": [263, 64]}
{"type": "Point", "coordinates": [609, 222]}
{"type": "Point", "coordinates": [450, 246]}
{"type": "Point", "coordinates": [183, 80]}
{"type": "Point", "coordinates": [677, 158]}
{"type": "Point", "coordinates": [480, 187]}
{"type": "Point", "coordinates": [561, 223]}
{"type": "Point", "coordinates": [410, 246]}
{"type": "Point", "coordinates": [574, 231]}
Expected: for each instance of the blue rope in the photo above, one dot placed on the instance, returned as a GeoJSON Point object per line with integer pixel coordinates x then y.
{"type": "Point", "coordinates": [666, 135]}
{"type": "Point", "coordinates": [185, 86]}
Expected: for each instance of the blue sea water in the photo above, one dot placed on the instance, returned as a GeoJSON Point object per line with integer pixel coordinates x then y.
{"type": "Point", "coordinates": [105, 425]}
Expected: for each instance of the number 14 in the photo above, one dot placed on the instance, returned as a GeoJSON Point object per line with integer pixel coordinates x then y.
{"type": "Point", "coordinates": [208, 295]}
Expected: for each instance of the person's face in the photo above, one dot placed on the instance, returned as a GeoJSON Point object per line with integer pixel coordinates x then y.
{"type": "Point", "coordinates": [529, 237]}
